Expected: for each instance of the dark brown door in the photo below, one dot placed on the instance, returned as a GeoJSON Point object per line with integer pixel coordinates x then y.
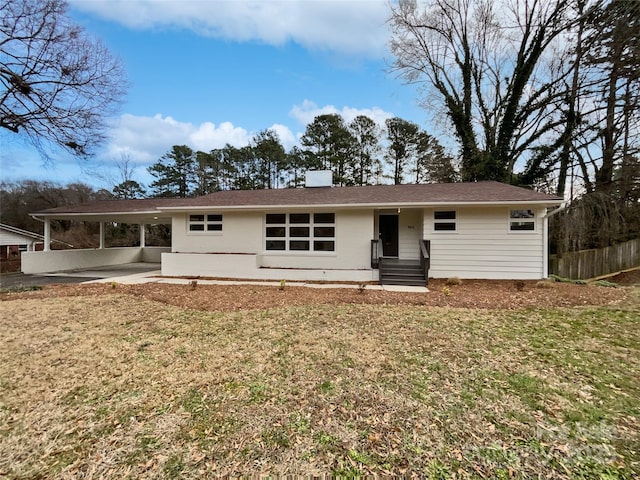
{"type": "Point", "coordinates": [388, 226]}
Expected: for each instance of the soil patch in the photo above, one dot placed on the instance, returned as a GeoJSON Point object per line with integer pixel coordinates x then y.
{"type": "Point", "coordinates": [629, 278]}
{"type": "Point", "coordinates": [470, 294]}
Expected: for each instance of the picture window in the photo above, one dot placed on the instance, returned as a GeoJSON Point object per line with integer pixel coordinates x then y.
{"type": "Point", "coordinates": [299, 245]}
{"type": "Point", "coordinates": [300, 232]}
{"type": "Point", "coordinates": [299, 218]}
{"type": "Point", "coordinates": [273, 218]}
{"type": "Point", "coordinates": [276, 245]}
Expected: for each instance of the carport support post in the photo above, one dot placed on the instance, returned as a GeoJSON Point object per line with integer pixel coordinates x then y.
{"type": "Point", "coordinates": [142, 245]}
{"type": "Point", "coordinates": [101, 235]}
{"type": "Point", "coordinates": [47, 235]}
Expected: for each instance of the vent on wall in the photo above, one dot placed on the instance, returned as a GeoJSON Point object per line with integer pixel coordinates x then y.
{"type": "Point", "coordinates": [318, 178]}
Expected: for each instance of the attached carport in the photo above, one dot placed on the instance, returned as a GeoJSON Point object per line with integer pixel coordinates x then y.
{"type": "Point", "coordinates": [141, 212]}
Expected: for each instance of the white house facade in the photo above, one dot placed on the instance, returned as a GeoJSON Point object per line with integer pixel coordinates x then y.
{"type": "Point", "coordinates": [485, 230]}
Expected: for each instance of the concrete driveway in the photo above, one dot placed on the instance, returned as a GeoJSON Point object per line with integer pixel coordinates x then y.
{"type": "Point", "coordinates": [14, 280]}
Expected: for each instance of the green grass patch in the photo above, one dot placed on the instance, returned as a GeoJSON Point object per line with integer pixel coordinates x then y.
{"type": "Point", "coordinates": [20, 288]}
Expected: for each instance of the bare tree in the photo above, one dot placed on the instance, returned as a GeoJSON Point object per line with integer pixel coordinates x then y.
{"type": "Point", "coordinates": [58, 84]}
{"type": "Point", "coordinates": [483, 64]}
{"type": "Point", "coordinates": [614, 57]}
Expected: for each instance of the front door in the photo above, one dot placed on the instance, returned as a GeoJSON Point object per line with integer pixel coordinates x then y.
{"type": "Point", "coordinates": [388, 226]}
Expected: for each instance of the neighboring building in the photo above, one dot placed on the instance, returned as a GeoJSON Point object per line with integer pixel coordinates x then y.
{"type": "Point", "coordinates": [14, 241]}
{"type": "Point", "coordinates": [486, 230]}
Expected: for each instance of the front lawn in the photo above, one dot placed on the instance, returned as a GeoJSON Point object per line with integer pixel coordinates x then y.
{"type": "Point", "coordinates": [117, 386]}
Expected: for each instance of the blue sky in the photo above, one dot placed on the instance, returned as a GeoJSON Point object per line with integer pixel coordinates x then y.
{"type": "Point", "coordinates": [208, 72]}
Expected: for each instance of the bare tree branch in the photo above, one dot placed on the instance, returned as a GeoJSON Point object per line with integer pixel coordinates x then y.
{"type": "Point", "coordinates": [59, 86]}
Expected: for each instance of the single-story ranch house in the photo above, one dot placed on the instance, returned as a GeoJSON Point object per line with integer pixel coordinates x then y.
{"type": "Point", "coordinates": [389, 233]}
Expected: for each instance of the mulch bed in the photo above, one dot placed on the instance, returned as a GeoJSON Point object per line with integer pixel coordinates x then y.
{"type": "Point", "coordinates": [482, 294]}
{"type": "Point", "coordinates": [631, 277]}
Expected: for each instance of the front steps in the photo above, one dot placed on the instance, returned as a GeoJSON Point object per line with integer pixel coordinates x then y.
{"type": "Point", "coordinates": [401, 272]}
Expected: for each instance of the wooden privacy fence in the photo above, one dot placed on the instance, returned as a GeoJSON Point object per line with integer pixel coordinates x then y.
{"type": "Point", "coordinates": [587, 264]}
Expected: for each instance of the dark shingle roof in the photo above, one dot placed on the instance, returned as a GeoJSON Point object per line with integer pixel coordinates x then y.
{"type": "Point", "coordinates": [477, 192]}
{"type": "Point", "coordinates": [112, 206]}
{"type": "Point", "coordinates": [378, 195]}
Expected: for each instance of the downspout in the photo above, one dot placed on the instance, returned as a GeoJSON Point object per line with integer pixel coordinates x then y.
{"type": "Point", "coordinates": [545, 237]}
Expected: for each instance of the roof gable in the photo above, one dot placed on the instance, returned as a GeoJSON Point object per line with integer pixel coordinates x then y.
{"type": "Point", "coordinates": [20, 232]}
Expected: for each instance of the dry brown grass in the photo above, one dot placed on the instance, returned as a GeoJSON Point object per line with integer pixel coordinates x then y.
{"type": "Point", "coordinates": [118, 386]}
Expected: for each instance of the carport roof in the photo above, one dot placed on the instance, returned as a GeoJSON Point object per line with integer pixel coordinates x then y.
{"type": "Point", "coordinates": [125, 211]}
{"type": "Point", "coordinates": [379, 196]}
{"type": "Point", "coordinates": [147, 205]}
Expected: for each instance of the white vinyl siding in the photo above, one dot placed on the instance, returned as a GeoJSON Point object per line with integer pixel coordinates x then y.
{"type": "Point", "coordinates": [409, 230]}
{"type": "Point", "coordinates": [10, 238]}
{"type": "Point", "coordinates": [483, 247]}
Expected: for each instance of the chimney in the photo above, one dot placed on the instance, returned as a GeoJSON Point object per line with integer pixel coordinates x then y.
{"type": "Point", "coordinates": [318, 178]}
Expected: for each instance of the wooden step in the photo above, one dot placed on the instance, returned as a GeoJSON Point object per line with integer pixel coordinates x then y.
{"type": "Point", "coordinates": [401, 272]}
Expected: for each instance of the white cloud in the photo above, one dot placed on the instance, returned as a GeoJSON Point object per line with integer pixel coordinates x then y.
{"type": "Point", "coordinates": [143, 140]}
{"type": "Point", "coordinates": [287, 138]}
{"type": "Point", "coordinates": [351, 27]}
{"type": "Point", "coordinates": [306, 112]}
{"type": "Point", "coordinates": [146, 139]}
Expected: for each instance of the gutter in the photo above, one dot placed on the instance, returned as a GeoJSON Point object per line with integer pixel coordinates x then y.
{"type": "Point", "coordinates": [563, 206]}
{"type": "Point", "coordinates": [377, 206]}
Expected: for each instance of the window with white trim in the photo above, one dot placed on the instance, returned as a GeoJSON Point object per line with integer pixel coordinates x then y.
{"type": "Point", "coordinates": [522, 221]}
{"type": "Point", "coordinates": [300, 232]}
{"type": "Point", "coordinates": [444, 221]}
{"type": "Point", "coordinates": [205, 223]}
